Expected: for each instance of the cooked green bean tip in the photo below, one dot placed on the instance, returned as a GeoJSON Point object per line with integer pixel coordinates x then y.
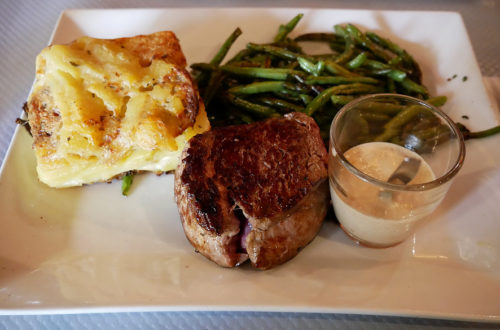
{"type": "Point", "coordinates": [201, 77]}
{"type": "Point", "coordinates": [413, 87]}
{"type": "Point", "coordinates": [284, 30]}
{"type": "Point", "coordinates": [127, 183]}
{"type": "Point", "coordinates": [310, 67]}
{"type": "Point", "coordinates": [437, 101]}
{"type": "Point", "coordinates": [357, 61]}
{"type": "Point", "coordinates": [221, 54]}
{"type": "Point", "coordinates": [340, 31]}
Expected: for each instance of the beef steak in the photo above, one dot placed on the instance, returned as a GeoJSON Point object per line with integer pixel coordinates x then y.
{"type": "Point", "coordinates": [256, 191]}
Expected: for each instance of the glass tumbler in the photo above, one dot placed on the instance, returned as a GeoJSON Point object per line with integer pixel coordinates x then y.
{"type": "Point", "coordinates": [392, 159]}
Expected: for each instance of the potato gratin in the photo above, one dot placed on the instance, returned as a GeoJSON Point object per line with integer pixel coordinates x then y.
{"type": "Point", "coordinates": [100, 108]}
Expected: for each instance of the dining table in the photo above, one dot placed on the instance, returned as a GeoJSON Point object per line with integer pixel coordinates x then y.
{"type": "Point", "coordinates": [27, 26]}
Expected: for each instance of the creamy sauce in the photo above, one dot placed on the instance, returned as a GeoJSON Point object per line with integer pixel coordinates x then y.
{"type": "Point", "coordinates": [363, 208]}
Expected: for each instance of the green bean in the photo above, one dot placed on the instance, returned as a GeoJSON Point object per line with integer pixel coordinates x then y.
{"type": "Point", "coordinates": [395, 61]}
{"type": "Point", "coordinates": [386, 43]}
{"type": "Point", "coordinates": [377, 65]}
{"type": "Point", "coordinates": [267, 87]}
{"type": "Point", "coordinates": [242, 54]}
{"type": "Point", "coordinates": [335, 80]}
{"type": "Point", "coordinates": [434, 132]}
{"type": "Point", "coordinates": [288, 95]}
{"type": "Point", "coordinates": [358, 88]}
{"type": "Point", "coordinates": [341, 31]}
{"type": "Point", "coordinates": [242, 63]}
{"type": "Point", "coordinates": [258, 87]}
{"type": "Point", "coordinates": [324, 37]}
{"type": "Point", "coordinates": [260, 59]}
{"type": "Point", "coordinates": [426, 140]}
{"type": "Point", "coordinates": [127, 180]}
{"type": "Point", "coordinates": [308, 66]}
{"type": "Point", "coordinates": [360, 129]}
{"type": "Point", "coordinates": [257, 109]}
{"type": "Point", "coordinates": [396, 75]}
{"type": "Point", "coordinates": [285, 54]}
{"type": "Point", "coordinates": [382, 107]}
{"type": "Point", "coordinates": [319, 100]}
{"type": "Point", "coordinates": [412, 86]}
{"type": "Point", "coordinates": [253, 72]}
{"type": "Point", "coordinates": [479, 134]}
{"type": "Point", "coordinates": [396, 49]}
{"type": "Point", "coordinates": [337, 69]}
{"type": "Point", "coordinates": [373, 116]}
{"type": "Point", "coordinates": [212, 87]}
{"type": "Point", "coordinates": [359, 37]}
{"type": "Point", "coordinates": [289, 44]}
{"type": "Point", "coordinates": [276, 51]}
{"type": "Point", "coordinates": [204, 67]}
{"type": "Point", "coordinates": [389, 45]}
{"type": "Point", "coordinates": [357, 61]}
{"type": "Point", "coordinates": [391, 86]}
{"type": "Point", "coordinates": [306, 99]}
{"type": "Point", "coordinates": [299, 87]}
{"type": "Point", "coordinates": [393, 127]}
{"type": "Point", "coordinates": [423, 123]}
{"type": "Point", "coordinates": [348, 52]}
{"type": "Point", "coordinates": [329, 56]}
{"type": "Point", "coordinates": [219, 56]}
{"type": "Point", "coordinates": [221, 53]}
{"type": "Point", "coordinates": [281, 104]}
{"type": "Point", "coordinates": [406, 115]}
{"type": "Point", "coordinates": [284, 30]}
{"type": "Point", "coordinates": [292, 65]}
{"type": "Point", "coordinates": [354, 32]}
{"type": "Point", "coordinates": [384, 69]}
{"type": "Point", "coordinates": [387, 134]}
{"type": "Point", "coordinates": [437, 101]}
{"type": "Point", "coordinates": [325, 95]}
{"type": "Point", "coordinates": [341, 99]}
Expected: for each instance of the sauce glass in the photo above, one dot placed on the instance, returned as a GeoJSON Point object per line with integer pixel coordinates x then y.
{"type": "Point", "coordinates": [371, 210]}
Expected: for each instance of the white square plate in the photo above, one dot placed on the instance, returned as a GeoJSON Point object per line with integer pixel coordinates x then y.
{"type": "Point", "coordinates": [90, 249]}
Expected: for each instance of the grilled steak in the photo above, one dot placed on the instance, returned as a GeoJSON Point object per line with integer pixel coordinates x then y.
{"type": "Point", "coordinates": [255, 191]}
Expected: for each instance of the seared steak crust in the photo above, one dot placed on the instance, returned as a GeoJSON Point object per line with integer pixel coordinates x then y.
{"type": "Point", "coordinates": [268, 172]}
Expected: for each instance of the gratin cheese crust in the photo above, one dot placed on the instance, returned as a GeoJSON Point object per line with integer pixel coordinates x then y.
{"type": "Point", "coordinates": [100, 108]}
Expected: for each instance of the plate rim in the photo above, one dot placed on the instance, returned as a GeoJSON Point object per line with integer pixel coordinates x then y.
{"type": "Point", "coordinates": [119, 308]}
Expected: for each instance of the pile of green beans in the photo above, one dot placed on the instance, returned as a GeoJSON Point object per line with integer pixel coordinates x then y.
{"type": "Point", "coordinates": [272, 79]}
